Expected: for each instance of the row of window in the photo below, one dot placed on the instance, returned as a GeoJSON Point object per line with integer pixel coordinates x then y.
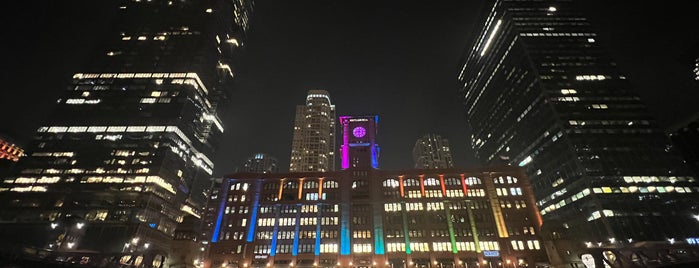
{"type": "Point", "coordinates": [292, 221]}
{"type": "Point", "coordinates": [444, 246]}
{"type": "Point", "coordinates": [292, 209]}
{"type": "Point", "coordinates": [620, 190]}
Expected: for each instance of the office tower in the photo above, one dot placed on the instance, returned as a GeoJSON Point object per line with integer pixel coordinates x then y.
{"type": "Point", "coordinates": [111, 172]}
{"type": "Point", "coordinates": [313, 145]}
{"type": "Point", "coordinates": [432, 151]}
{"type": "Point", "coordinates": [359, 149]}
{"type": "Point", "coordinates": [685, 137]}
{"type": "Point", "coordinates": [364, 217]}
{"type": "Point", "coordinates": [540, 92]}
{"type": "Point", "coordinates": [260, 163]}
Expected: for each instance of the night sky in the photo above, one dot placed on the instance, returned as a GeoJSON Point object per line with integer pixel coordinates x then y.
{"type": "Point", "coordinates": [397, 59]}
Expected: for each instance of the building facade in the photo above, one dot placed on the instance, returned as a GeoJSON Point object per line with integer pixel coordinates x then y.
{"type": "Point", "coordinates": [540, 92]}
{"type": "Point", "coordinates": [114, 169]}
{"type": "Point", "coordinates": [313, 144]}
{"type": "Point", "coordinates": [432, 151]}
{"type": "Point", "coordinates": [685, 138]}
{"type": "Point", "coordinates": [260, 163]}
{"type": "Point", "coordinates": [359, 148]}
{"type": "Point", "coordinates": [10, 151]}
{"type": "Point", "coordinates": [365, 217]}
{"type": "Point", "coordinates": [370, 218]}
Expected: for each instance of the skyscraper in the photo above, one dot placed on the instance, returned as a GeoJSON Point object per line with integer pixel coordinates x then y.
{"type": "Point", "coordinates": [540, 92]}
{"type": "Point", "coordinates": [113, 169]}
{"type": "Point", "coordinates": [432, 151]}
{"type": "Point", "coordinates": [313, 145]}
{"type": "Point", "coordinates": [260, 163]}
{"type": "Point", "coordinates": [685, 137]}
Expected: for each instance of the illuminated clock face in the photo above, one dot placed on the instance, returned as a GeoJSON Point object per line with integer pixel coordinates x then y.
{"type": "Point", "coordinates": [359, 132]}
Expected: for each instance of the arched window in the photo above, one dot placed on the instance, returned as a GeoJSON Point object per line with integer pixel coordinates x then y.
{"type": "Point", "coordinates": [391, 183]}
{"type": "Point", "coordinates": [431, 182]}
{"type": "Point", "coordinates": [452, 181]}
{"type": "Point", "coordinates": [411, 182]}
{"type": "Point", "coordinates": [271, 186]}
{"type": "Point", "coordinates": [239, 186]}
{"type": "Point", "coordinates": [310, 185]}
{"type": "Point", "coordinates": [330, 185]}
{"type": "Point", "coordinates": [291, 185]}
{"type": "Point", "coordinates": [505, 180]}
{"type": "Point", "coordinates": [473, 181]}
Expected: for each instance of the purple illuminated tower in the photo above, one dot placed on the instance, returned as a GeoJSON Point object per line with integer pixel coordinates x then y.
{"type": "Point", "coordinates": [359, 148]}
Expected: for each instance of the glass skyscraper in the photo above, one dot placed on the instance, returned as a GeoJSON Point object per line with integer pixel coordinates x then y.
{"type": "Point", "coordinates": [114, 168]}
{"type": "Point", "coordinates": [540, 92]}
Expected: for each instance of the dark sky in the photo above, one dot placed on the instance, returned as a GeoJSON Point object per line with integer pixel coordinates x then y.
{"type": "Point", "coordinates": [397, 59]}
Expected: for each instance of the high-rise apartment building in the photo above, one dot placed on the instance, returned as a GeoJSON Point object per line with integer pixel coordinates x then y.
{"type": "Point", "coordinates": [365, 217]}
{"type": "Point", "coordinates": [432, 151]}
{"type": "Point", "coordinates": [260, 163]}
{"type": "Point", "coordinates": [540, 92]}
{"type": "Point", "coordinates": [313, 144]}
{"type": "Point", "coordinates": [112, 171]}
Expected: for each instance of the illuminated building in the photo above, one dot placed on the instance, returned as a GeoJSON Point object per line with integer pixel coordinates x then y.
{"type": "Point", "coordinates": [260, 163]}
{"type": "Point", "coordinates": [365, 217]}
{"type": "Point", "coordinates": [313, 145]}
{"type": "Point", "coordinates": [359, 148]}
{"type": "Point", "coordinates": [432, 151]}
{"type": "Point", "coordinates": [114, 169]}
{"type": "Point", "coordinates": [9, 151]}
{"type": "Point", "coordinates": [540, 92]}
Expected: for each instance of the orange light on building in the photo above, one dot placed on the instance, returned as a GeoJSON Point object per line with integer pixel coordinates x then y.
{"type": "Point", "coordinates": [422, 185]}
{"type": "Point", "coordinates": [10, 151]}
{"type": "Point", "coordinates": [463, 184]}
{"type": "Point", "coordinates": [444, 187]}
{"type": "Point", "coordinates": [300, 188]}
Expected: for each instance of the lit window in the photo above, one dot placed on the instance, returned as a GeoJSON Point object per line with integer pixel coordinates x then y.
{"type": "Point", "coordinates": [148, 100]}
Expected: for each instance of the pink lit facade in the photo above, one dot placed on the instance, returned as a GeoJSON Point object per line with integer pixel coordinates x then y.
{"type": "Point", "coordinates": [359, 148]}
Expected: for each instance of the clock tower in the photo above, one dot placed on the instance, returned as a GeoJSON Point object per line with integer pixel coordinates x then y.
{"type": "Point", "coordinates": [359, 149]}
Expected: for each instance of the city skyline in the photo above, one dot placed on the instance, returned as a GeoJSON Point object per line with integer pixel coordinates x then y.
{"type": "Point", "coordinates": [288, 63]}
{"type": "Point", "coordinates": [135, 116]}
